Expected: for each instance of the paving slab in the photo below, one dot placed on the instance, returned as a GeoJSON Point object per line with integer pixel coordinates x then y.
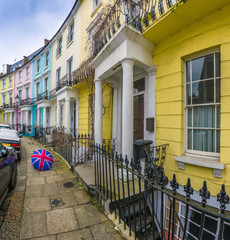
{"type": "Point", "coordinates": [34, 191]}
{"type": "Point", "coordinates": [37, 204]}
{"type": "Point", "coordinates": [68, 200]}
{"type": "Point", "coordinates": [33, 225]}
{"type": "Point", "coordinates": [82, 197]}
{"type": "Point", "coordinates": [103, 231]}
{"type": "Point", "coordinates": [61, 220]}
{"type": "Point", "coordinates": [35, 181]}
{"type": "Point", "coordinates": [50, 189]}
{"type": "Point", "coordinates": [88, 215]}
{"type": "Point", "coordinates": [45, 238]}
{"type": "Point", "coordinates": [83, 234]}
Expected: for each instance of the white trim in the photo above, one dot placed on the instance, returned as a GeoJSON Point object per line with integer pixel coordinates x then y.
{"type": "Point", "coordinates": [189, 151]}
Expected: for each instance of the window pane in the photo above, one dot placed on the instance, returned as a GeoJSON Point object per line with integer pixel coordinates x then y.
{"type": "Point", "coordinates": [218, 90]}
{"type": "Point", "coordinates": [226, 231]}
{"type": "Point", "coordinates": [217, 64]}
{"type": "Point", "coordinates": [204, 116]}
{"type": "Point", "coordinates": [218, 116]}
{"type": "Point", "coordinates": [188, 96]}
{"type": "Point", "coordinates": [190, 117]}
{"type": "Point", "coordinates": [139, 85]}
{"type": "Point", "coordinates": [204, 140]}
{"type": "Point", "coordinates": [208, 236]}
{"type": "Point", "coordinates": [188, 71]}
{"type": "Point", "coordinates": [218, 141]}
{"type": "Point", "coordinates": [210, 224]}
{"type": "Point", "coordinates": [203, 92]}
{"type": "Point", "coordinates": [189, 139]}
{"type": "Point", "coordinates": [203, 68]}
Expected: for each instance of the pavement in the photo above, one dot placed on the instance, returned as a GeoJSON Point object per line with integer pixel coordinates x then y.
{"type": "Point", "coordinates": [52, 205]}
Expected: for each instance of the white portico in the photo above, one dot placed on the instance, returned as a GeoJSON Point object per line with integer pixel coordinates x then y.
{"type": "Point", "coordinates": [67, 116]}
{"type": "Point", "coordinates": [126, 62]}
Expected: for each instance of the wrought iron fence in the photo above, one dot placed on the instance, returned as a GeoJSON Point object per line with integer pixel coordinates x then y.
{"type": "Point", "coordinates": [151, 206]}
{"type": "Point", "coordinates": [74, 149]}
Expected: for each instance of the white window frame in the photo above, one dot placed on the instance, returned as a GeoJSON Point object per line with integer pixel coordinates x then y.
{"type": "Point", "coordinates": [57, 80]}
{"type": "Point", "coordinates": [37, 90]}
{"type": "Point", "coordinates": [67, 65]}
{"type": "Point", "coordinates": [28, 92]}
{"type": "Point", "coordinates": [20, 76]}
{"type": "Point", "coordinates": [27, 73]}
{"type": "Point", "coordinates": [3, 83]}
{"type": "Point", "coordinates": [46, 59]}
{"type": "Point", "coordinates": [10, 94]}
{"type": "Point", "coordinates": [10, 81]}
{"type": "Point", "coordinates": [3, 99]}
{"type": "Point", "coordinates": [38, 62]}
{"type": "Point", "coordinates": [59, 47]}
{"type": "Point", "coordinates": [70, 33]}
{"type": "Point", "coordinates": [210, 155]}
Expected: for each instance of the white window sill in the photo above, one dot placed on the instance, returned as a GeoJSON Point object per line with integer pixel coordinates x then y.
{"type": "Point", "coordinates": [69, 43]}
{"type": "Point", "coordinates": [58, 55]}
{"type": "Point", "coordinates": [201, 161]}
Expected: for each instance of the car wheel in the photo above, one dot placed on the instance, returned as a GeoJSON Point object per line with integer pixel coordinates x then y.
{"type": "Point", "coordinates": [13, 180]}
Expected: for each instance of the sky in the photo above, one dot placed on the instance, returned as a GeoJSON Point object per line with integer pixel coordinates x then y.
{"type": "Point", "coordinates": [24, 24]}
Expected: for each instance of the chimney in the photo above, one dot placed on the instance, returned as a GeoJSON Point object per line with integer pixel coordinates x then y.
{"type": "Point", "coordinates": [46, 42]}
{"type": "Point", "coordinates": [25, 59]}
{"type": "Point", "coordinates": [8, 68]}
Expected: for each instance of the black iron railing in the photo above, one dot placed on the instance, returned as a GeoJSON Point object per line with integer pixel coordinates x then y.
{"type": "Point", "coordinates": [74, 149]}
{"type": "Point", "coordinates": [151, 206]}
{"type": "Point", "coordinates": [140, 14]}
{"type": "Point", "coordinates": [67, 80]}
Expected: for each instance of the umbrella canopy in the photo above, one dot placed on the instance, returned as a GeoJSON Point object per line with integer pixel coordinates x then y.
{"type": "Point", "coordinates": [42, 159]}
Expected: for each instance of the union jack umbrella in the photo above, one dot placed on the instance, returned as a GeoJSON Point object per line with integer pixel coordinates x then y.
{"type": "Point", "coordinates": [42, 160]}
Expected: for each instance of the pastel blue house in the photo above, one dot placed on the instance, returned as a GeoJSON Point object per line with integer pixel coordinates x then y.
{"type": "Point", "coordinates": [41, 84]}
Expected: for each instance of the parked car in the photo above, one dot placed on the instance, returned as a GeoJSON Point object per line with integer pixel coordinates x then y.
{"type": "Point", "coordinates": [8, 170]}
{"type": "Point", "coordinates": [5, 126]}
{"type": "Point", "coordinates": [11, 138]}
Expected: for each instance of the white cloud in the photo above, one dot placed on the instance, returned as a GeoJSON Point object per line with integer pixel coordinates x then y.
{"type": "Point", "coordinates": [27, 32]}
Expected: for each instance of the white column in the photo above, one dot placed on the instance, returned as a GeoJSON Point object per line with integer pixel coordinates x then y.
{"type": "Point", "coordinates": [22, 116]}
{"type": "Point", "coordinates": [151, 91]}
{"type": "Point", "coordinates": [11, 118]}
{"type": "Point", "coordinates": [67, 115]}
{"type": "Point", "coordinates": [114, 132]}
{"type": "Point", "coordinates": [58, 114]}
{"type": "Point", "coordinates": [27, 119]}
{"type": "Point", "coordinates": [44, 117]}
{"type": "Point", "coordinates": [98, 111]}
{"type": "Point", "coordinates": [127, 108]}
{"type": "Point", "coordinates": [77, 116]}
{"type": "Point", "coordinates": [38, 116]}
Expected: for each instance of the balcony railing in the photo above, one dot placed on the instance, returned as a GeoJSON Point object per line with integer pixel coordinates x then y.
{"type": "Point", "coordinates": [26, 101]}
{"type": "Point", "coordinates": [44, 95]}
{"type": "Point", "coordinates": [140, 14]}
{"type": "Point", "coordinates": [67, 80]}
{"type": "Point", "coordinates": [84, 72]}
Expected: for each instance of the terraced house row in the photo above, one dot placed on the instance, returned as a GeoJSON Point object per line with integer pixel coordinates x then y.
{"type": "Point", "coordinates": [157, 70]}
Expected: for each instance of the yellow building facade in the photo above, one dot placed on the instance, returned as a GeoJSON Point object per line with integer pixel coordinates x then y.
{"type": "Point", "coordinates": [188, 33]}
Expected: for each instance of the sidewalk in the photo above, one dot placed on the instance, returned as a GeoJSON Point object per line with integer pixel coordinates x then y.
{"type": "Point", "coordinates": [52, 205]}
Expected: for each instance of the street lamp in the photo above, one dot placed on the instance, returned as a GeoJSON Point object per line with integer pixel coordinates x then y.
{"type": "Point", "coordinates": [17, 99]}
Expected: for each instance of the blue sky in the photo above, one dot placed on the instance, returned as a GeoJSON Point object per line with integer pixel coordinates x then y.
{"type": "Point", "coordinates": [24, 24]}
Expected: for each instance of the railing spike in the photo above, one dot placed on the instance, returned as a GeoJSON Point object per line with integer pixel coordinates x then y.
{"type": "Point", "coordinates": [188, 189]}
{"type": "Point", "coordinates": [174, 184]}
{"type": "Point", "coordinates": [223, 198]}
{"type": "Point", "coordinates": [204, 193]}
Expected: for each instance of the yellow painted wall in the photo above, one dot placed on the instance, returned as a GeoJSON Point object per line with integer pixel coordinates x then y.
{"type": "Point", "coordinates": [107, 111]}
{"type": "Point", "coordinates": [83, 111]}
{"type": "Point", "coordinates": [211, 32]}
